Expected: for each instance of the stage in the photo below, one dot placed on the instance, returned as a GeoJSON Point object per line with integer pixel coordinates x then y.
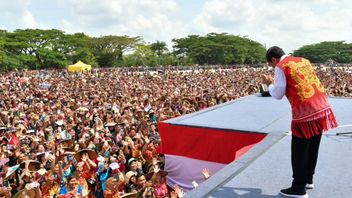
{"type": "Point", "coordinates": [271, 171]}
{"type": "Point", "coordinates": [265, 168]}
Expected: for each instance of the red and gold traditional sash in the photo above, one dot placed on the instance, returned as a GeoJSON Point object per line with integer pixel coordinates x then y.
{"type": "Point", "coordinates": [311, 111]}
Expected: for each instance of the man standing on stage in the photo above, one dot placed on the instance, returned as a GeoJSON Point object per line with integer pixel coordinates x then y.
{"type": "Point", "coordinates": [311, 114]}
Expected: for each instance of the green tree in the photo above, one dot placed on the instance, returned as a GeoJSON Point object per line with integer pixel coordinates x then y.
{"type": "Point", "coordinates": [145, 56]}
{"type": "Point", "coordinates": [7, 60]}
{"type": "Point", "coordinates": [35, 47]}
{"type": "Point", "coordinates": [170, 59]}
{"type": "Point", "coordinates": [109, 49]}
{"type": "Point", "coordinates": [219, 49]}
{"type": "Point", "coordinates": [159, 48]}
{"type": "Point", "coordinates": [85, 55]}
{"type": "Point", "coordinates": [338, 51]}
{"type": "Point", "coordinates": [77, 47]}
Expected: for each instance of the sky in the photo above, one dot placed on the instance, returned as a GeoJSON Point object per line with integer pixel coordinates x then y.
{"type": "Point", "coordinates": [289, 24]}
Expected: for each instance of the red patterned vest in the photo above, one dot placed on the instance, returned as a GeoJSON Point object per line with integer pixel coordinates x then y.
{"type": "Point", "coordinates": [311, 111]}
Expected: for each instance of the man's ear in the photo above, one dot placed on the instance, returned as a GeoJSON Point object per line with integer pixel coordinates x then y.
{"type": "Point", "coordinates": [273, 60]}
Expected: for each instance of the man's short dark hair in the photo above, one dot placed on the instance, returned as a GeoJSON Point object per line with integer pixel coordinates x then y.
{"type": "Point", "coordinates": [274, 52]}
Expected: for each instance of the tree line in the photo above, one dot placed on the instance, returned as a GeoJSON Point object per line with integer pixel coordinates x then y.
{"type": "Point", "coordinates": [338, 51]}
{"type": "Point", "coordinates": [39, 49]}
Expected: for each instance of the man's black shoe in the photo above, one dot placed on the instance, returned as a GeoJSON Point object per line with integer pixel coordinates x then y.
{"type": "Point", "coordinates": [290, 192]}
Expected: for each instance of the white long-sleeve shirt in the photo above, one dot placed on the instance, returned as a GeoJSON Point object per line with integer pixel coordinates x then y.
{"type": "Point", "coordinates": [278, 89]}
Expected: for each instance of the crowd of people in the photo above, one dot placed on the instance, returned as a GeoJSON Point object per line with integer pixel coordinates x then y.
{"type": "Point", "coordinates": [96, 135]}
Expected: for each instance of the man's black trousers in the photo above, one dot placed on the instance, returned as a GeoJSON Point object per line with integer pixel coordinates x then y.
{"type": "Point", "coordinates": [304, 156]}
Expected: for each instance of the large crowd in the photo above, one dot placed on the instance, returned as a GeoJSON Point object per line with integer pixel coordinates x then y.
{"type": "Point", "coordinates": [95, 134]}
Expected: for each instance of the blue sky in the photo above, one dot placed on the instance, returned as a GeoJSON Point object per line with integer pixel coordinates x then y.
{"type": "Point", "coordinates": [289, 24]}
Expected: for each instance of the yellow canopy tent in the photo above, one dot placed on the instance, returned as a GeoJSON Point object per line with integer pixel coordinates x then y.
{"type": "Point", "coordinates": [79, 67]}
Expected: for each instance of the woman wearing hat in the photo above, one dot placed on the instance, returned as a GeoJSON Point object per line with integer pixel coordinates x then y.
{"type": "Point", "coordinates": [46, 159]}
{"type": "Point", "coordinates": [67, 167]}
{"type": "Point", "coordinates": [50, 187]}
{"type": "Point", "coordinates": [103, 171]}
{"type": "Point", "coordinates": [72, 189]}
{"type": "Point", "coordinates": [133, 166]}
{"type": "Point", "coordinates": [131, 183]}
{"type": "Point", "coordinates": [105, 149]}
{"type": "Point", "coordinates": [149, 151]}
{"type": "Point", "coordinates": [28, 175]}
{"type": "Point", "coordinates": [87, 159]}
{"type": "Point", "coordinates": [56, 172]}
{"type": "Point", "coordinates": [81, 176]}
{"type": "Point", "coordinates": [112, 186]}
{"type": "Point", "coordinates": [5, 192]}
{"type": "Point", "coordinates": [159, 182]}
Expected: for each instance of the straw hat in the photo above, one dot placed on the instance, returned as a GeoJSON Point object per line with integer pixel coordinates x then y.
{"type": "Point", "coordinates": [66, 153]}
{"type": "Point", "coordinates": [110, 124]}
{"type": "Point", "coordinates": [188, 100]}
{"type": "Point", "coordinates": [162, 173]}
{"type": "Point", "coordinates": [67, 143]}
{"type": "Point", "coordinates": [82, 109]}
{"type": "Point", "coordinates": [42, 171]}
{"type": "Point", "coordinates": [4, 113]}
{"type": "Point", "coordinates": [130, 195]}
{"type": "Point", "coordinates": [30, 131]}
{"type": "Point", "coordinates": [92, 154]}
{"type": "Point", "coordinates": [129, 174]}
{"type": "Point", "coordinates": [32, 166]}
{"type": "Point", "coordinates": [202, 103]}
{"type": "Point", "coordinates": [111, 182]}
{"type": "Point", "coordinates": [59, 122]}
{"type": "Point", "coordinates": [100, 145]}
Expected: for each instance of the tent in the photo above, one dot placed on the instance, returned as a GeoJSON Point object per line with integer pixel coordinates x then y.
{"type": "Point", "coordinates": [79, 67]}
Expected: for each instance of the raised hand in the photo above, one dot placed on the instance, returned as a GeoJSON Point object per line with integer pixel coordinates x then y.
{"type": "Point", "coordinates": [146, 139]}
{"type": "Point", "coordinates": [156, 169]}
{"type": "Point", "coordinates": [173, 194]}
{"type": "Point", "coordinates": [85, 192]}
{"type": "Point", "coordinates": [26, 165]}
{"type": "Point", "coordinates": [206, 173]}
{"type": "Point", "coordinates": [155, 161]}
{"type": "Point", "coordinates": [195, 184]}
{"type": "Point", "coordinates": [179, 191]}
{"type": "Point", "coordinates": [267, 79]}
{"type": "Point", "coordinates": [139, 164]}
{"type": "Point", "coordinates": [84, 157]}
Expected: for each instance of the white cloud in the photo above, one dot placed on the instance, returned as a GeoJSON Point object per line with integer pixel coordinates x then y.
{"type": "Point", "coordinates": [286, 23]}
{"type": "Point", "coordinates": [17, 12]}
{"type": "Point", "coordinates": [28, 20]}
{"type": "Point", "coordinates": [289, 24]}
{"type": "Point", "coordinates": [68, 27]}
{"type": "Point", "coordinates": [150, 19]}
